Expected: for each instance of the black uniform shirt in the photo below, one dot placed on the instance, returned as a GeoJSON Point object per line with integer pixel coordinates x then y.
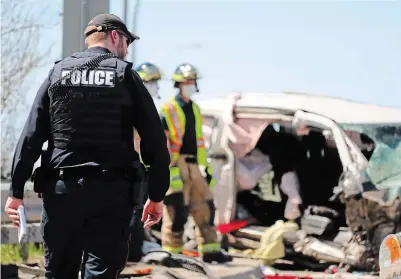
{"type": "Point", "coordinates": [37, 131]}
{"type": "Point", "coordinates": [189, 145]}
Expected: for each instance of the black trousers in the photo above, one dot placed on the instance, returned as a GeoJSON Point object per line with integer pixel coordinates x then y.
{"type": "Point", "coordinates": [137, 237]}
{"type": "Point", "coordinates": [137, 231]}
{"type": "Point", "coordinates": [89, 217]}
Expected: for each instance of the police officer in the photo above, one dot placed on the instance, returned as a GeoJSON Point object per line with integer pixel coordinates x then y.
{"type": "Point", "coordinates": [87, 119]}
{"type": "Point", "coordinates": [150, 75]}
{"type": "Point", "coordinates": [189, 190]}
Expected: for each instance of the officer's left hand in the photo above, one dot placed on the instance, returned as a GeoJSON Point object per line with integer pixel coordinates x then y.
{"type": "Point", "coordinates": [152, 213]}
{"type": "Point", "coordinates": [11, 209]}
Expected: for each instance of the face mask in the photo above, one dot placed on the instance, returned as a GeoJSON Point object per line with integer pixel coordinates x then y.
{"type": "Point", "coordinates": [188, 90]}
{"type": "Point", "coordinates": [152, 87]}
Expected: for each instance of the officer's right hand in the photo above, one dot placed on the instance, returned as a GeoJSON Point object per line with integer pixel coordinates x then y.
{"type": "Point", "coordinates": [152, 213]}
{"type": "Point", "coordinates": [11, 209]}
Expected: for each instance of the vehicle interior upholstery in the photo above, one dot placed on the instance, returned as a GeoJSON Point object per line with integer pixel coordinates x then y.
{"type": "Point", "coordinates": [316, 163]}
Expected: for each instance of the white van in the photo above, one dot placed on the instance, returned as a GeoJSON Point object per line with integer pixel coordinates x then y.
{"type": "Point", "coordinates": [355, 155]}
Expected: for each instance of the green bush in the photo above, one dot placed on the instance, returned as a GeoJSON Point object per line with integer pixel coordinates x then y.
{"type": "Point", "coordinates": [14, 253]}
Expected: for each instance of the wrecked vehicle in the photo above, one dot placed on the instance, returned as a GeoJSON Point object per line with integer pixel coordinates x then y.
{"type": "Point", "coordinates": [331, 166]}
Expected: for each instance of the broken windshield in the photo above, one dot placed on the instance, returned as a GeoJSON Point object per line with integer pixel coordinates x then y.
{"type": "Point", "coordinates": [384, 168]}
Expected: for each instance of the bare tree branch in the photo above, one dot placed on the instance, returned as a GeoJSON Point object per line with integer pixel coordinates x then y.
{"type": "Point", "coordinates": [21, 24]}
{"type": "Point", "coordinates": [20, 29]}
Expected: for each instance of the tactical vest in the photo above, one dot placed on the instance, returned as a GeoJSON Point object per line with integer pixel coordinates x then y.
{"type": "Point", "coordinates": [87, 110]}
{"type": "Point", "coordinates": [175, 119]}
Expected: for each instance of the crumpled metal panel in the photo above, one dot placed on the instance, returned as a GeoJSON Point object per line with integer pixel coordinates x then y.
{"type": "Point", "coordinates": [370, 221]}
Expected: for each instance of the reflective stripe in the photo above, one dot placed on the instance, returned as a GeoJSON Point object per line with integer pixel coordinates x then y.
{"type": "Point", "coordinates": [209, 248]}
{"type": "Point", "coordinates": [202, 153]}
{"type": "Point", "coordinates": [172, 125]}
{"type": "Point", "coordinates": [174, 148]}
{"type": "Point", "coordinates": [179, 118]}
{"type": "Point", "coordinates": [174, 156]}
{"type": "Point", "coordinates": [175, 179]}
{"type": "Point", "coordinates": [175, 152]}
{"type": "Point", "coordinates": [173, 250]}
{"type": "Point", "coordinates": [175, 123]}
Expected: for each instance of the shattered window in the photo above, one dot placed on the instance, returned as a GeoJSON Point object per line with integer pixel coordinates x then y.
{"type": "Point", "coordinates": [384, 168]}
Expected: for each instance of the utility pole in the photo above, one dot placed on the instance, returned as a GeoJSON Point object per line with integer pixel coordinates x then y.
{"type": "Point", "coordinates": [125, 11]}
{"type": "Point", "coordinates": [134, 27]}
{"type": "Point", "coordinates": [76, 15]}
{"type": "Point", "coordinates": [84, 22]}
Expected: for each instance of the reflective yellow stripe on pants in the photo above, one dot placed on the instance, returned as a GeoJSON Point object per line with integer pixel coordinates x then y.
{"type": "Point", "coordinates": [202, 249]}
{"type": "Point", "coordinates": [175, 179]}
{"type": "Point", "coordinates": [172, 250]}
{"type": "Point", "coordinates": [209, 248]}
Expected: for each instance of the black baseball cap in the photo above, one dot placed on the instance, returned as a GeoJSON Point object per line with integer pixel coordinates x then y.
{"type": "Point", "coordinates": [107, 22]}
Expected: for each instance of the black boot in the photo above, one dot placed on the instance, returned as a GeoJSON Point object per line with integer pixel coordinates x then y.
{"type": "Point", "coordinates": [218, 257]}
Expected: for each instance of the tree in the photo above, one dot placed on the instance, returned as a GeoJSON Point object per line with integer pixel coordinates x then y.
{"type": "Point", "coordinates": [20, 55]}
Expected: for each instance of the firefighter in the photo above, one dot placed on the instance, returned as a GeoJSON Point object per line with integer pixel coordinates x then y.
{"type": "Point", "coordinates": [190, 173]}
{"type": "Point", "coordinates": [150, 75]}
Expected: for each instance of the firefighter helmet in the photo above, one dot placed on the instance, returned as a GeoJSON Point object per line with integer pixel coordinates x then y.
{"type": "Point", "coordinates": [185, 72]}
{"type": "Point", "coordinates": [148, 72]}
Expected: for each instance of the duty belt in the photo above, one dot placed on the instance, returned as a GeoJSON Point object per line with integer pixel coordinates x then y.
{"type": "Point", "coordinates": [89, 172]}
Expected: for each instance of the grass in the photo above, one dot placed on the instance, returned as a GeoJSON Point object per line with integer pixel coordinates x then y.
{"type": "Point", "coordinates": [13, 253]}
